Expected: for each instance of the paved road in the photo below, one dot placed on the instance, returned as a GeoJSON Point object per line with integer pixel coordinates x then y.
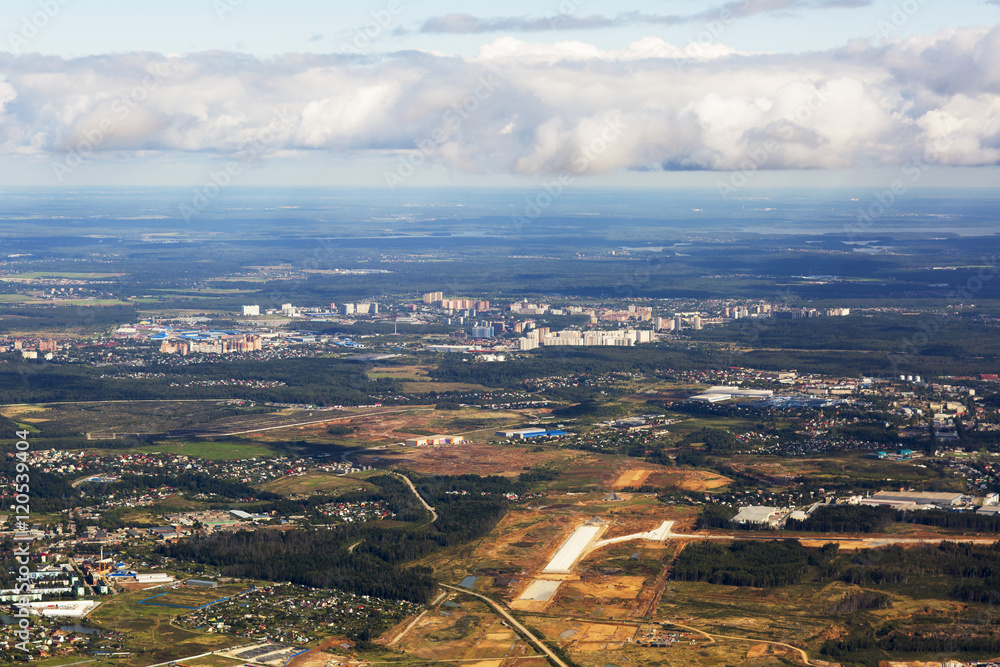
{"type": "Point", "coordinates": [553, 658]}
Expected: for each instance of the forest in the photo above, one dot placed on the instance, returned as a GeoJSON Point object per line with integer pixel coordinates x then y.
{"type": "Point", "coordinates": [378, 564]}
{"type": "Point", "coordinates": [757, 564]}
{"type": "Point", "coordinates": [318, 381]}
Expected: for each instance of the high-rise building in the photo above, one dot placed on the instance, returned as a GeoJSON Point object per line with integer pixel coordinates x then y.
{"type": "Point", "coordinates": [433, 297]}
{"type": "Point", "coordinates": [678, 323]}
{"type": "Point", "coordinates": [696, 323]}
{"type": "Point", "coordinates": [347, 308]}
{"type": "Point", "coordinates": [251, 311]}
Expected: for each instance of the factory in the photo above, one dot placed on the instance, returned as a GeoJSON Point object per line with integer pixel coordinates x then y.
{"type": "Point", "coordinates": [906, 500]}
{"type": "Point", "coordinates": [759, 514]}
{"type": "Point", "coordinates": [727, 393]}
{"type": "Point", "coordinates": [426, 440]}
{"type": "Point", "coordinates": [526, 433]}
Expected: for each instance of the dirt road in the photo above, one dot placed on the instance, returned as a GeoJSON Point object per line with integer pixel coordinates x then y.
{"type": "Point", "coordinates": [527, 634]}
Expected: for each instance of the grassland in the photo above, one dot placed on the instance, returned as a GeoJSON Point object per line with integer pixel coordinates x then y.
{"type": "Point", "coordinates": [213, 451]}
{"type": "Point", "coordinates": [149, 627]}
{"type": "Point", "coordinates": [315, 482]}
{"type": "Point", "coordinates": [440, 387]}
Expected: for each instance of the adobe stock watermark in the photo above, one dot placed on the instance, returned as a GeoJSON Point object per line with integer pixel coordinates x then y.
{"type": "Point", "coordinates": [225, 7]}
{"type": "Point", "coordinates": [580, 162]}
{"type": "Point", "coordinates": [909, 346]}
{"type": "Point", "coordinates": [251, 151]}
{"type": "Point", "coordinates": [711, 30]}
{"type": "Point", "coordinates": [121, 108]}
{"type": "Point", "coordinates": [33, 24]}
{"type": "Point", "coordinates": [760, 155]}
{"type": "Point", "coordinates": [365, 35]}
{"type": "Point", "coordinates": [913, 169]}
{"type": "Point", "coordinates": [566, 9]}
{"type": "Point", "coordinates": [901, 14]}
{"type": "Point", "coordinates": [452, 120]}
{"type": "Point", "coordinates": [21, 552]}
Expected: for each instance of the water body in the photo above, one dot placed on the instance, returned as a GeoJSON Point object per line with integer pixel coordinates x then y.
{"type": "Point", "coordinates": [82, 629]}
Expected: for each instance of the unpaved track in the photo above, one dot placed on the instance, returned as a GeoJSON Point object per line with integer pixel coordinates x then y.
{"type": "Point", "coordinates": [553, 658]}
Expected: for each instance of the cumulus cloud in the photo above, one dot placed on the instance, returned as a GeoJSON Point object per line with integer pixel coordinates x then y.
{"type": "Point", "coordinates": [528, 108]}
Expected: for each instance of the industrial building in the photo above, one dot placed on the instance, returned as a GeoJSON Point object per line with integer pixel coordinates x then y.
{"type": "Point", "coordinates": [525, 433]}
{"type": "Point", "coordinates": [757, 514]}
{"type": "Point", "coordinates": [725, 393]}
{"type": "Point", "coordinates": [423, 441]}
{"type": "Point", "coordinates": [916, 499]}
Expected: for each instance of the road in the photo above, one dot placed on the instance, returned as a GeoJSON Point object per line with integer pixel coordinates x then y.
{"type": "Point", "coordinates": [434, 514]}
{"type": "Point", "coordinates": [712, 637]}
{"type": "Point", "coordinates": [308, 423]}
{"type": "Point", "coordinates": [413, 623]}
{"type": "Point", "coordinates": [535, 641]}
{"type": "Point", "coordinates": [819, 537]}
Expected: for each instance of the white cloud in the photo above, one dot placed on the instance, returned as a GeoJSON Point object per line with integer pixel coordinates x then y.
{"type": "Point", "coordinates": [530, 108]}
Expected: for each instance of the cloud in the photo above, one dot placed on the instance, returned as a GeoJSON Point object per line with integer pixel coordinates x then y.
{"type": "Point", "coordinates": [526, 108]}
{"type": "Point", "coordinates": [469, 24]}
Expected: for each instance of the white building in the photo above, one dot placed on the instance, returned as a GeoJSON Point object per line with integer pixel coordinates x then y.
{"type": "Point", "coordinates": [251, 311]}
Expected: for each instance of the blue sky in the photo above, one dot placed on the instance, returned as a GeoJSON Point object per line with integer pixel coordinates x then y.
{"type": "Point", "coordinates": [657, 93]}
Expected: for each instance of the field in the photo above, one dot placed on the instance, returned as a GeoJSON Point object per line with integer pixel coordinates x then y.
{"type": "Point", "coordinates": [464, 629]}
{"type": "Point", "coordinates": [440, 387]}
{"type": "Point", "coordinates": [150, 626]}
{"type": "Point", "coordinates": [213, 451]}
{"type": "Point", "coordinates": [186, 598]}
{"type": "Point", "coordinates": [315, 482]}
{"type": "Point", "coordinates": [689, 480]}
{"type": "Point", "coordinates": [480, 458]}
{"type": "Point", "coordinates": [382, 426]}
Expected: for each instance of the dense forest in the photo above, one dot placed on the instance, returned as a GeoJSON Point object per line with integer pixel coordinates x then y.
{"type": "Point", "coordinates": [866, 519]}
{"type": "Point", "coordinates": [757, 564]}
{"type": "Point", "coordinates": [319, 381]}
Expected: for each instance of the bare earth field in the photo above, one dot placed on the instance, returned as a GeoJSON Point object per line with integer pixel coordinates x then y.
{"type": "Point", "coordinates": [689, 480]}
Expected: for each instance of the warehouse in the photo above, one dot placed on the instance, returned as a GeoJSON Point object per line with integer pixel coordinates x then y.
{"type": "Point", "coordinates": [525, 433]}
{"type": "Point", "coordinates": [916, 498]}
{"type": "Point", "coordinates": [756, 514]}
{"type": "Point", "coordinates": [435, 440]}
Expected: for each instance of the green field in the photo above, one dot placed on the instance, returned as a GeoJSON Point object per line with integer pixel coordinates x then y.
{"type": "Point", "coordinates": [149, 627]}
{"type": "Point", "coordinates": [212, 451]}
{"type": "Point", "coordinates": [190, 597]}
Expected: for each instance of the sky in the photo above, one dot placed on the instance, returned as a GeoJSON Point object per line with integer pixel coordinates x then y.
{"type": "Point", "coordinates": [558, 93]}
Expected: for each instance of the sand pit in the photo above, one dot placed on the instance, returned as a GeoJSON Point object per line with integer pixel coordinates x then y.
{"type": "Point", "coordinates": [695, 480]}
{"type": "Point", "coordinates": [632, 479]}
{"type": "Point", "coordinates": [625, 587]}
